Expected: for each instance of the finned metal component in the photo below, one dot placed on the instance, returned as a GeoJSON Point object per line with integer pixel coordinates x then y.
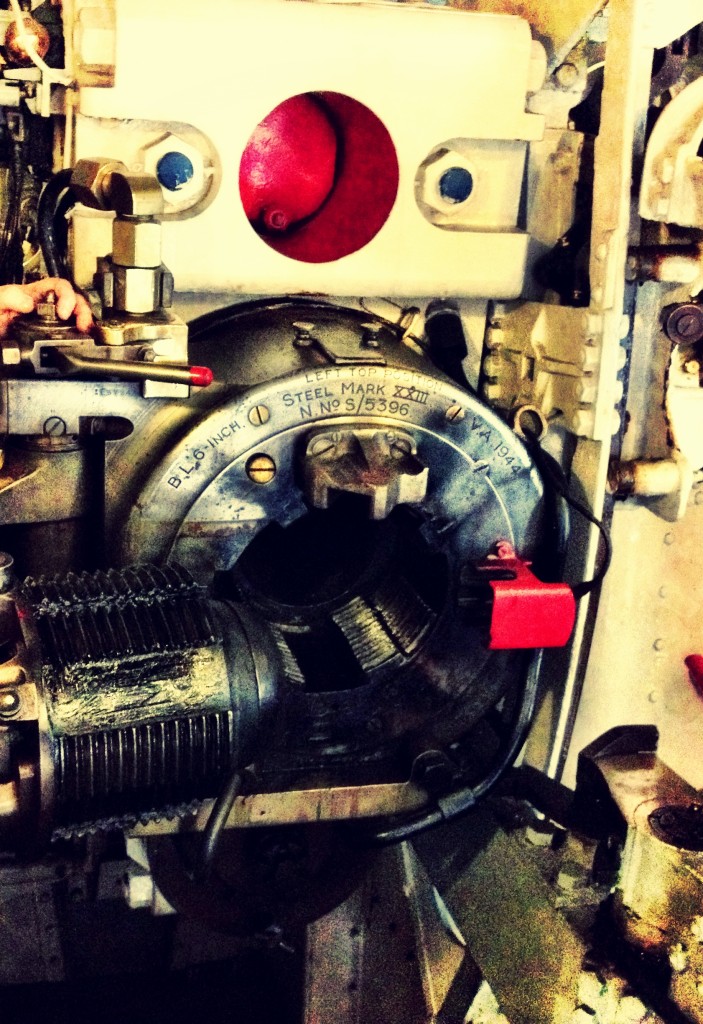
{"type": "Point", "coordinates": [151, 695]}
{"type": "Point", "coordinates": [382, 465]}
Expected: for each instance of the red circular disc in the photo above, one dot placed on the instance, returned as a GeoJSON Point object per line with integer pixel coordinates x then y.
{"type": "Point", "coordinates": [312, 200]}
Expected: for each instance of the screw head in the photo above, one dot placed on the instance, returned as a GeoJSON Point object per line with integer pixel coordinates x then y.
{"type": "Point", "coordinates": [684, 323]}
{"type": "Point", "coordinates": [54, 426]}
{"type": "Point", "coordinates": [258, 415]}
{"type": "Point", "coordinates": [455, 414]}
{"type": "Point", "coordinates": [400, 447]}
{"type": "Point", "coordinates": [261, 469]}
{"type": "Point", "coordinates": [322, 446]}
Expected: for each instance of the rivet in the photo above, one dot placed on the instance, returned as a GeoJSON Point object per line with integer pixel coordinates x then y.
{"type": "Point", "coordinates": [668, 538]}
{"type": "Point", "coordinates": [659, 644]}
{"type": "Point", "coordinates": [261, 469]}
{"type": "Point", "coordinates": [258, 415]}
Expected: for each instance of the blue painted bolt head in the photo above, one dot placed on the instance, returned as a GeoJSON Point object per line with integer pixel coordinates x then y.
{"type": "Point", "coordinates": [174, 170]}
{"type": "Point", "coordinates": [456, 185]}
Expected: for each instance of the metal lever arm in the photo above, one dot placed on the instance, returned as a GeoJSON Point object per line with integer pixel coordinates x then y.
{"type": "Point", "coordinates": [71, 363]}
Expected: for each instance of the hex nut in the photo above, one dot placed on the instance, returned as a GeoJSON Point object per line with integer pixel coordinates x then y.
{"type": "Point", "coordinates": [190, 191]}
{"type": "Point", "coordinates": [136, 243]}
{"type": "Point", "coordinates": [427, 182]}
{"type": "Point", "coordinates": [89, 178]}
{"type": "Point", "coordinates": [137, 289]}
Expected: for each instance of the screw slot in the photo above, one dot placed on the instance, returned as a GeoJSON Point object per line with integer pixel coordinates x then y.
{"type": "Point", "coordinates": [261, 469]}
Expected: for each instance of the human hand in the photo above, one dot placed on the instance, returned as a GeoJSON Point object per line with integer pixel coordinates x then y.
{"type": "Point", "coordinates": [16, 299]}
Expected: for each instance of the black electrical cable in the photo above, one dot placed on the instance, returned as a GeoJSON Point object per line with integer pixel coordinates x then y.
{"type": "Point", "coordinates": [455, 804]}
{"type": "Point", "coordinates": [553, 475]}
{"type": "Point", "coordinates": [216, 822]}
{"type": "Point", "coordinates": [54, 191]}
{"type": "Point", "coordinates": [11, 270]}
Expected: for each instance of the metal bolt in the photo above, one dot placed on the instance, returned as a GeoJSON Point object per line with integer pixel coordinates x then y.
{"type": "Point", "coordinates": [400, 446]}
{"type": "Point", "coordinates": [369, 338]}
{"type": "Point", "coordinates": [668, 538]}
{"type": "Point", "coordinates": [258, 415]}
{"type": "Point", "coordinates": [692, 367]}
{"type": "Point", "coordinates": [54, 426]}
{"type": "Point", "coordinates": [455, 414]}
{"type": "Point", "coordinates": [688, 325]}
{"type": "Point", "coordinates": [46, 308]}
{"type": "Point", "coordinates": [261, 469]}
{"type": "Point", "coordinates": [9, 703]}
{"type": "Point", "coordinates": [684, 323]}
{"type": "Point", "coordinates": [321, 446]}
{"type": "Point", "coordinates": [303, 334]}
{"type": "Point", "coordinates": [566, 75]}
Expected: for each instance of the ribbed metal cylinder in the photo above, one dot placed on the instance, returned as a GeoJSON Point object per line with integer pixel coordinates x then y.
{"type": "Point", "coordinates": [142, 711]}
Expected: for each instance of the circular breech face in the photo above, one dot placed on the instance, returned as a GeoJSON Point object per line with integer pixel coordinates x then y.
{"type": "Point", "coordinates": [379, 660]}
{"type": "Point", "coordinates": [318, 177]}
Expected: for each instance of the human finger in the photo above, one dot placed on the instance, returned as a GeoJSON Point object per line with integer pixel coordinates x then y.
{"type": "Point", "coordinates": [68, 301]}
{"type": "Point", "coordinates": [14, 298]}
